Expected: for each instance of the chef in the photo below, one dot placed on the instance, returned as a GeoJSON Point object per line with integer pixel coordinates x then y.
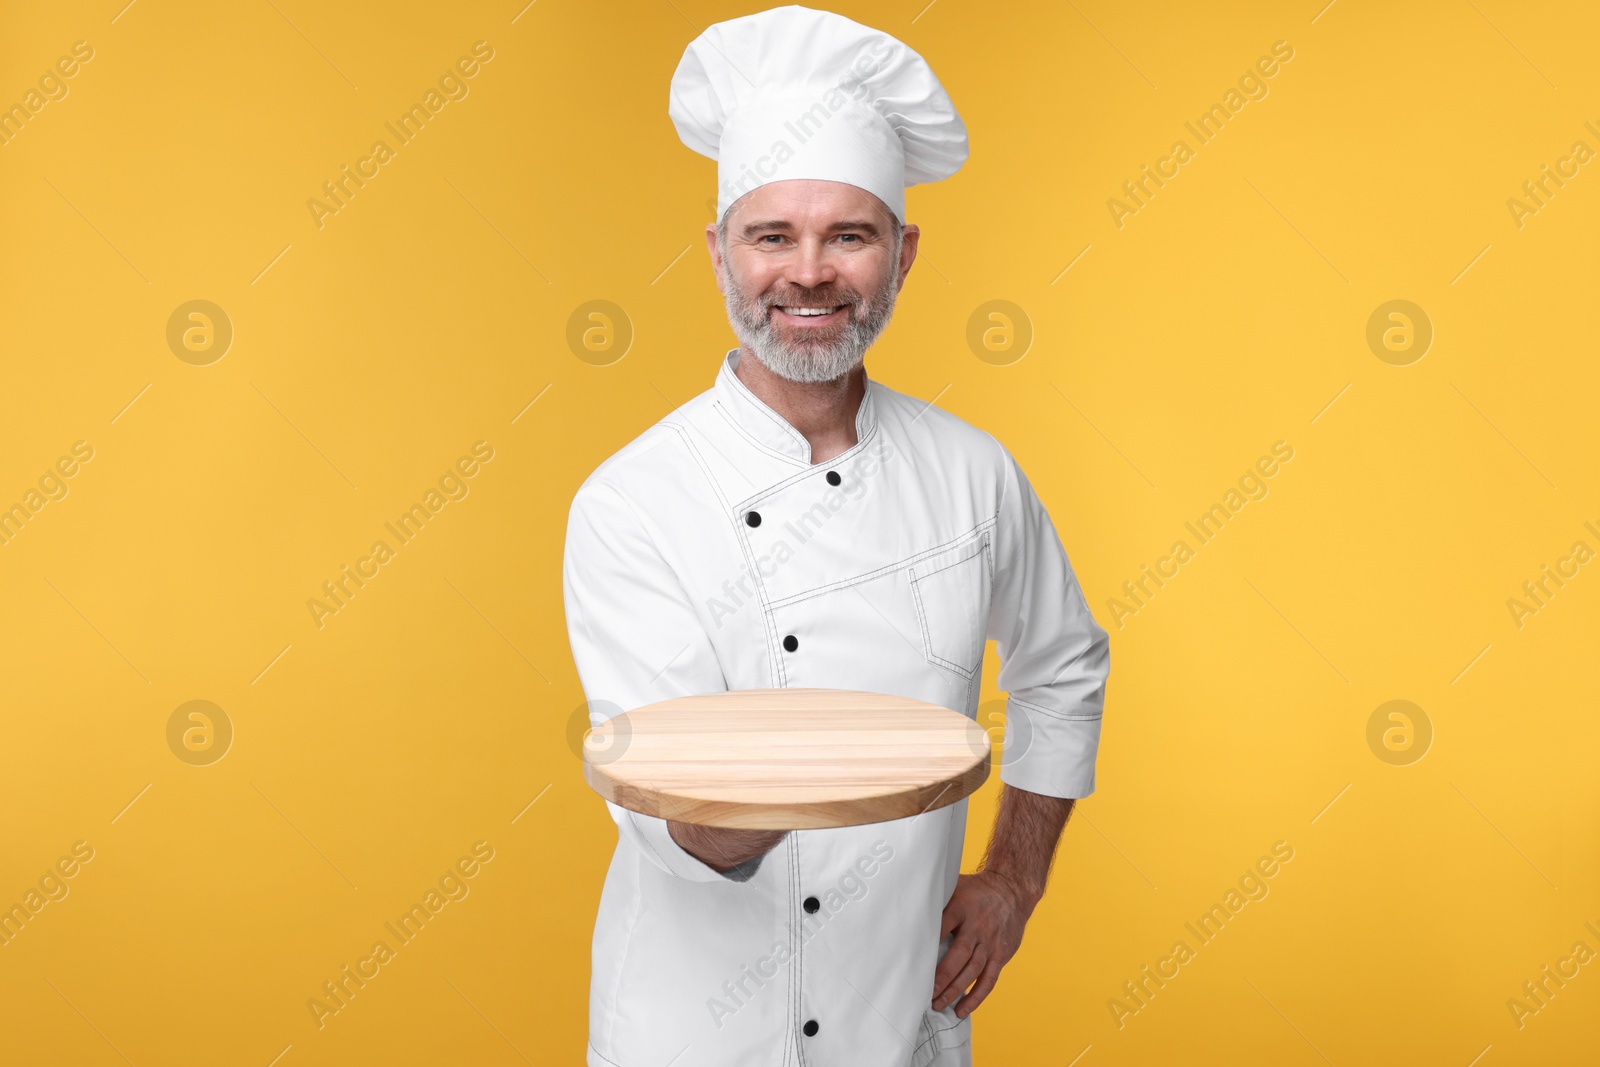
{"type": "Point", "coordinates": [801, 524]}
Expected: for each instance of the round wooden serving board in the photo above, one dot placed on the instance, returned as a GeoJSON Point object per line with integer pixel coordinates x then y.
{"type": "Point", "coordinates": [786, 759]}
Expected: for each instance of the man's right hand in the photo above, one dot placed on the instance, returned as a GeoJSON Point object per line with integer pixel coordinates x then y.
{"type": "Point", "coordinates": [721, 848]}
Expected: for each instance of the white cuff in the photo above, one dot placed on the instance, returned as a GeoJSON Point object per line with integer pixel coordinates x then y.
{"type": "Point", "coordinates": [1048, 754]}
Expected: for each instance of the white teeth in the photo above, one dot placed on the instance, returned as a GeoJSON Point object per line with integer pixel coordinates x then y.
{"type": "Point", "coordinates": [809, 311]}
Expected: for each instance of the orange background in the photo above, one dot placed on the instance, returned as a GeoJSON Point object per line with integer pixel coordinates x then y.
{"type": "Point", "coordinates": [433, 711]}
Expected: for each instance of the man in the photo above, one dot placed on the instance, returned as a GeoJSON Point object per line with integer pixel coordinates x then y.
{"type": "Point", "coordinates": [800, 524]}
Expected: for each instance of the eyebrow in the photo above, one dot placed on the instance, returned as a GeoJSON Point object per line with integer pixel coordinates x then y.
{"type": "Point", "coordinates": [781, 226]}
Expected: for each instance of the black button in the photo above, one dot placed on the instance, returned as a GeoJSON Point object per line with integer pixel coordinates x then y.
{"type": "Point", "coordinates": [752, 518]}
{"type": "Point", "coordinates": [791, 643]}
{"type": "Point", "coordinates": [833, 477]}
{"type": "Point", "coordinates": [811, 905]}
{"type": "Point", "coordinates": [810, 1028]}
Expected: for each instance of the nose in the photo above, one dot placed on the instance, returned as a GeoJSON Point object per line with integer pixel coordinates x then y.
{"type": "Point", "coordinates": [811, 265]}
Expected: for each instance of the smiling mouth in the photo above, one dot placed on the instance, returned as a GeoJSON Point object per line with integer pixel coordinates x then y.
{"type": "Point", "coordinates": [809, 316]}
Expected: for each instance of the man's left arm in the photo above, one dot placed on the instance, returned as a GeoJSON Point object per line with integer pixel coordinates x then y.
{"type": "Point", "coordinates": [1054, 659]}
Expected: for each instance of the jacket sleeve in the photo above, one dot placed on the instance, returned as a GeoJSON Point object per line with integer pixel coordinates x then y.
{"type": "Point", "coordinates": [635, 640]}
{"type": "Point", "coordinates": [1054, 657]}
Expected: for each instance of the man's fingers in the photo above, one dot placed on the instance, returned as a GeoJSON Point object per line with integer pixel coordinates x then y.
{"type": "Point", "coordinates": [969, 1003]}
{"type": "Point", "coordinates": [968, 975]}
{"type": "Point", "coordinates": [958, 956]}
{"type": "Point", "coordinates": [954, 912]}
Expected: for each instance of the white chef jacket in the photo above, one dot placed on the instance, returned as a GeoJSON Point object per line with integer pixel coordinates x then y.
{"type": "Point", "coordinates": [710, 554]}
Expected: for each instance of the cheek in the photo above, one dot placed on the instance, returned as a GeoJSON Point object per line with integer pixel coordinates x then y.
{"type": "Point", "coordinates": [863, 275]}
{"type": "Point", "coordinates": [753, 277]}
{"type": "Point", "coordinates": [759, 268]}
{"type": "Point", "coordinates": [875, 279]}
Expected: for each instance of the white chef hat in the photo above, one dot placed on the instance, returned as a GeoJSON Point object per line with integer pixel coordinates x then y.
{"type": "Point", "coordinates": [798, 93]}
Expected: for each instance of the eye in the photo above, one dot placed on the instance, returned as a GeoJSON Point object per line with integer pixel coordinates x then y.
{"type": "Point", "coordinates": [855, 237]}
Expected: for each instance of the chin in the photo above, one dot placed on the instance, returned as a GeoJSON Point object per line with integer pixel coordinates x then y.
{"type": "Point", "coordinates": [807, 367]}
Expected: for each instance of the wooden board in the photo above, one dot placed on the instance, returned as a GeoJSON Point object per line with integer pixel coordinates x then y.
{"type": "Point", "coordinates": [786, 759]}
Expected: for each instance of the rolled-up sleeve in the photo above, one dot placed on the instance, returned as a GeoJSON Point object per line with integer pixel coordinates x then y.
{"type": "Point", "coordinates": [635, 640]}
{"type": "Point", "coordinates": [1054, 657]}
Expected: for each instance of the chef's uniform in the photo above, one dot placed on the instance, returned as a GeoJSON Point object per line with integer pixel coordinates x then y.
{"type": "Point", "coordinates": [711, 554]}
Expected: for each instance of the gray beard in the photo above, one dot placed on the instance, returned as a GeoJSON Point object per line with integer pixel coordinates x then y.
{"type": "Point", "coordinates": [809, 360]}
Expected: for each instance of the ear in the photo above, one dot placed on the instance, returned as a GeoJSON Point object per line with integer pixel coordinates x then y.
{"type": "Point", "coordinates": [716, 256]}
{"type": "Point", "coordinates": [908, 250]}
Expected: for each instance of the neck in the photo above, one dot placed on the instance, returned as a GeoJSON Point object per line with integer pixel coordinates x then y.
{"type": "Point", "coordinates": [823, 412]}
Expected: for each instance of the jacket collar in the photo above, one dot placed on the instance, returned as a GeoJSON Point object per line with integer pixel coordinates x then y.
{"type": "Point", "coordinates": [769, 429]}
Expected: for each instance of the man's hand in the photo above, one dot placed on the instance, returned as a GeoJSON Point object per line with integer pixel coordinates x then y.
{"type": "Point", "coordinates": [989, 909]}
{"type": "Point", "coordinates": [987, 912]}
{"type": "Point", "coordinates": [721, 848]}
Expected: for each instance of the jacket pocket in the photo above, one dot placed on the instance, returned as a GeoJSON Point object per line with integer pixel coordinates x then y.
{"type": "Point", "coordinates": [951, 589]}
{"type": "Point", "coordinates": [923, 1054]}
{"type": "Point", "coordinates": [939, 1033]}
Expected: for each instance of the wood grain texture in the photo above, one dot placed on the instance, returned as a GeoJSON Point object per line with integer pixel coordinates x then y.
{"type": "Point", "coordinates": [786, 759]}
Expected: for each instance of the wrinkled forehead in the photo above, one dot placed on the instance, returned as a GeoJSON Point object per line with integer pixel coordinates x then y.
{"type": "Point", "coordinates": [808, 203]}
